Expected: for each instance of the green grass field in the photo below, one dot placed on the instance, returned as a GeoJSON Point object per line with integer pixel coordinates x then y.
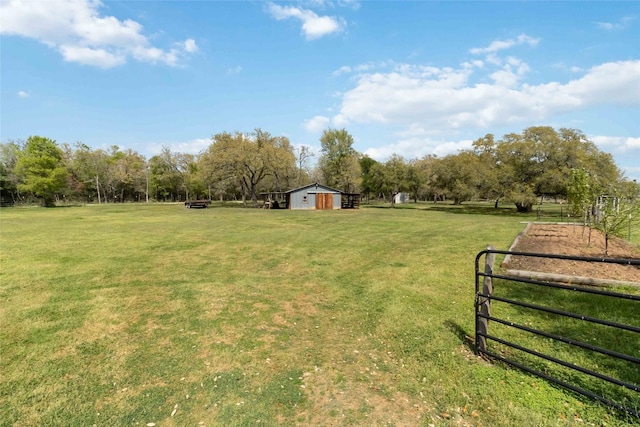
{"type": "Point", "coordinates": [134, 314]}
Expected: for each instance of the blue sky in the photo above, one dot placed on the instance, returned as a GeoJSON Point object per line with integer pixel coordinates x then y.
{"type": "Point", "coordinates": [411, 78]}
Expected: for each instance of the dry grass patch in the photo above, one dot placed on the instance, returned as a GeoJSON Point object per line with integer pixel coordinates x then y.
{"type": "Point", "coordinates": [338, 398]}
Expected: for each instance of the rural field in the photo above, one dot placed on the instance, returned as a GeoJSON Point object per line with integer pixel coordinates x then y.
{"type": "Point", "coordinates": [126, 315]}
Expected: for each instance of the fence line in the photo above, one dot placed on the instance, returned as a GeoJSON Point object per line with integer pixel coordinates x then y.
{"type": "Point", "coordinates": [485, 295]}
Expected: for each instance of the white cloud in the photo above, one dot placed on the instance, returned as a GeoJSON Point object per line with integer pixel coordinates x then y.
{"type": "Point", "coordinates": [510, 73]}
{"type": "Point", "coordinates": [498, 45]}
{"type": "Point", "coordinates": [155, 55]}
{"type": "Point", "coordinates": [190, 46]}
{"type": "Point", "coordinates": [313, 26]}
{"type": "Point", "coordinates": [81, 34]}
{"type": "Point", "coordinates": [316, 123]}
{"type": "Point", "coordinates": [616, 143]}
{"type": "Point", "coordinates": [621, 24]}
{"type": "Point", "coordinates": [340, 121]}
{"type": "Point", "coordinates": [353, 4]}
{"type": "Point", "coordinates": [234, 70]}
{"type": "Point", "coordinates": [612, 83]}
{"type": "Point", "coordinates": [443, 98]}
{"type": "Point", "coordinates": [475, 63]}
{"type": "Point", "coordinates": [23, 94]}
{"type": "Point", "coordinates": [345, 69]}
{"type": "Point", "coordinates": [566, 68]}
{"type": "Point", "coordinates": [418, 110]}
{"type": "Point", "coordinates": [361, 68]}
{"type": "Point", "coordinates": [417, 146]}
{"type": "Point", "coordinates": [88, 56]}
{"type": "Point", "coordinates": [194, 146]}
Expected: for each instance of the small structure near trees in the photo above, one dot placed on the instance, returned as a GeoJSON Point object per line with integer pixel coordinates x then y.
{"type": "Point", "coordinates": [400, 198]}
{"type": "Point", "coordinates": [311, 197]}
{"type": "Point", "coordinates": [350, 200]}
{"type": "Point", "coordinates": [197, 203]}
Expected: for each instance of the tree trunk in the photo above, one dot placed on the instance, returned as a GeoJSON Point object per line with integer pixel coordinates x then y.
{"type": "Point", "coordinates": [98, 190]}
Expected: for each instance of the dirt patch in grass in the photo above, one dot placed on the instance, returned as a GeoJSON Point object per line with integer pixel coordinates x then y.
{"type": "Point", "coordinates": [579, 241]}
{"type": "Point", "coordinates": [354, 392]}
{"type": "Point", "coordinates": [304, 304]}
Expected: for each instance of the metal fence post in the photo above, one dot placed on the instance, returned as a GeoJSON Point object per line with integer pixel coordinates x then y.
{"type": "Point", "coordinates": [485, 303]}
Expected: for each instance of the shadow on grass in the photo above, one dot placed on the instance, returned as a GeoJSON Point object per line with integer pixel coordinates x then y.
{"type": "Point", "coordinates": [464, 209]}
{"type": "Point", "coordinates": [458, 331]}
{"type": "Point", "coordinates": [480, 210]}
{"type": "Point", "coordinates": [232, 204]}
{"type": "Point", "coordinates": [376, 207]}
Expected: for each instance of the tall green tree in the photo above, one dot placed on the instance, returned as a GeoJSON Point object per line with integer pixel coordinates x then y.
{"type": "Point", "coordinates": [392, 176]}
{"type": "Point", "coordinates": [414, 179]}
{"type": "Point", "coordinates": [488, 183]}
{"type": "Point", "coordinates": [9, 153]}
{"type": "Point", "coordinates": [424, 185]}
{"type": "Point", "coordinates": [518, 170]}
{"type": "Point", "coordinates": [254, 162]}
{"type": "Point", "coordinates": [192, 182]}
{"type": "Point", "coordinates": [280, 158]}
{"type": "Point", "coordinates": [40, 169]}
{"type": "Point", "coordinates": [457, 175]}
{"type": "Point", "coordinates": [130, 175]}
{"type": "Point", "coordinates": [89, 170]}
{"type": "Point", "coordinates": [167, 175]}
{"type": "Point", "coordinates": [538, 162]}
{"type": "Point", "coordinates": [338, 162]}
{"type": "Point", "coordinates": [366, 179]}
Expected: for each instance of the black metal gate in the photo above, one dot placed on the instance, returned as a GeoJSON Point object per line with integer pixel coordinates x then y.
{"type": "Point", "coordinates": [586, 339]}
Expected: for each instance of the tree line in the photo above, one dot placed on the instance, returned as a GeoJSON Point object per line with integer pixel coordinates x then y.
{"type": "Point", "coordinates": [520, 168]}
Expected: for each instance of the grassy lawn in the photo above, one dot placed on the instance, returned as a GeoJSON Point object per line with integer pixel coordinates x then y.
{"type": "Point", "coordinates": [134, 314]}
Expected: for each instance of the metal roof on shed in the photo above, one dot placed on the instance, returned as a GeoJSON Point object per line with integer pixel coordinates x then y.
{"type": "Point", "coordinates": [316, 185]}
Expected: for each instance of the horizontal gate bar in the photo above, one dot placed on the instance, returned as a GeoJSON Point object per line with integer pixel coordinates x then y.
{"type": "Point", "coordinates": [581, 289]}
{"type": "Point", "coordinates": [623, 261]}
{"type": "Point", "coordinates": [564, 313]}
{"type": "Point", "coordinates": [576, 343]}
{"type": "Point", "coordinates": [630, 386]}
{"type": "Point", "coordinates": [583, 392]}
